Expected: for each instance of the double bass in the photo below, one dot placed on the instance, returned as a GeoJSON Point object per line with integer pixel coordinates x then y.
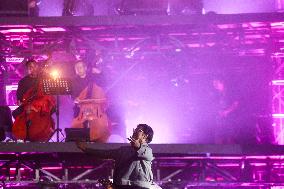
{"type": "Point", "coordinates": [92, 103]}
{"type": "Point", "coordinates": [34, 122]}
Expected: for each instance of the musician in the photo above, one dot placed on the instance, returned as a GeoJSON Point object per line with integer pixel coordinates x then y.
{"type": "Point", "coordinates": [90, 103]}
{"type": "Point", "coordinates": [29, 80]}
{"type": "Point", "coordinates": [226, 106]}
{"type": "Point", "coordinates": [132, 163]}
{"type": "Point", "coordinates": [83, 78]}
{"type": "Point", "coordinates": [33, 121]}
{"type": "Point", "coordinates": [33, 7]}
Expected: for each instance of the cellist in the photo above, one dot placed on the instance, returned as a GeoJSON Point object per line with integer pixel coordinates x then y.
{"type": "Point", "coordinates": [33, 121]}
{"type": "Point", "coordinates": [29, 81]}
{"type": "Point", "coordinates": [90, 102]}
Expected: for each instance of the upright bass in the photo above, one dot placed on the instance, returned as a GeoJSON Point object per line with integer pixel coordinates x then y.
{"type": "Point", "coordinates": [34, 122]}
{"type": "Point", "coordinates": [92, 104]}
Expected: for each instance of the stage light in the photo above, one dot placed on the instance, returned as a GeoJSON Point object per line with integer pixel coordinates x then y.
{"type": "Point", "coordinates": [53, 29]}
{"type": "Point", "coordinates": [278, 82]}
{"type": "Point", "coordinates": [20, 30]}
{"type": "Point", "coordinates": [55, 74]}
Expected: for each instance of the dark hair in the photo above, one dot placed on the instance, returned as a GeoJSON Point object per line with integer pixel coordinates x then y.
{"type": "Point", "coordinates": [30, 61]}
{"type": "Point", "coordinates": [147, 130]}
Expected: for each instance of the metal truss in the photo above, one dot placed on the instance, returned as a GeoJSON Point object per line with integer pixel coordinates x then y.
{"type": "Point", "coordinates": [37, 171]}
{"type": "Point", "coordinates": [182, 172]}
{"type": "Point", "coordinates": [278, 98]}
{"type": "Point", "coordinates": [239, 172]}
{"type": "Point", "coordinates": [180, 165]}
{"type": "Point", "coordinates": [134, 37]}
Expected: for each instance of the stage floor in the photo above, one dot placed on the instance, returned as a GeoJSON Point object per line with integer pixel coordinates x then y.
{"type": "Point", "coordinates": [182, 165]}
{"type": "Point", "coordinates": [164, 150]}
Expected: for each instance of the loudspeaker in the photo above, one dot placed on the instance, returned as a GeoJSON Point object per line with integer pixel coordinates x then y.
{"type": "Point", "coordinates": [77, 134]}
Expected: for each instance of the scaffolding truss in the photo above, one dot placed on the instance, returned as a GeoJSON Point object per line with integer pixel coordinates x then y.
{"type": "Point", "coordinates": [134, 37]}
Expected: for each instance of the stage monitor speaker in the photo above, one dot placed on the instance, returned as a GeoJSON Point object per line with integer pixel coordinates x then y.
{"type": "Point", "coordinates": [14, 8]}
{"type": "Point", "coordinates": [77, 134]}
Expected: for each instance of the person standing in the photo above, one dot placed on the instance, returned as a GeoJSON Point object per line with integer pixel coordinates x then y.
{"type": "Point", "coordinates": [132, 163]}
{"type": "Point", "coordinates": [226, 106]}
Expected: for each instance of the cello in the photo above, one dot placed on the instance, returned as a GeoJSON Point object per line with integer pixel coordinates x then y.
{"type": "Point", "coordinates": [34, 123]}
{"type": "Point", "coordinates": [92, 104]}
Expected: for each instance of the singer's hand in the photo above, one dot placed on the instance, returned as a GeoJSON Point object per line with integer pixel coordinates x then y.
{"type": "Point", "coordinates": [134, 142]}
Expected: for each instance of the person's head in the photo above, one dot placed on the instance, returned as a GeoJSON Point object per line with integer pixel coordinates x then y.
{"type": "Point", "coordinates": [32, 68]}
{"type": "Point", "coordinates": [143, 132]}
{"type": "Point", "coordinates": [80, 69]}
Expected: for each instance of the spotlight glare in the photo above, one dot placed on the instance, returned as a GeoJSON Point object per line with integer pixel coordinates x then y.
{"type": "Point", "coordinates": [54, 74]}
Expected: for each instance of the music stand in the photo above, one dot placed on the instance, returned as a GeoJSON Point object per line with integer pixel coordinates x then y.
{"type": "Point", "coordinates": [58, 86]}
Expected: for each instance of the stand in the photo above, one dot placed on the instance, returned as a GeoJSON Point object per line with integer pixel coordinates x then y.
{"type": "Point", "coordinates": [58, 86]}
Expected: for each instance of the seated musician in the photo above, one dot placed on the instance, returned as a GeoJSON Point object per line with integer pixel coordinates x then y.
{"type": "Point", "coordinates": [29, 80]}
{"type": "Point", "coordinates": [90, 103]}
{"type": "Point", "coordinates": [33, 121]}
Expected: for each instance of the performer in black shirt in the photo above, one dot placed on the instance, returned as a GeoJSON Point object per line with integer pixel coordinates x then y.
{"type": "Point", "coordinates": [226, 106]}
{"type": "Point", "coordinates": [90, 104]}
{"type": "Point", "coordinates": [33, 118]}
{"type": "Point", "coordinates": [28, 81]}
{"type": "Point", "coordinates": [84, 77]}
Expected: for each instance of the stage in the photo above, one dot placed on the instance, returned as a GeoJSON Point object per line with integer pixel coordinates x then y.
{"type": "Point", "coordinates": [180, 165]}
{"type": "Point", "coordinates": [247, 46]}
{"type": "Point", "coordinates": [160, 150]}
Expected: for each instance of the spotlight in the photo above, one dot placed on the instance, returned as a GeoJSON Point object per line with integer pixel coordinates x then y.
{"type": "Point", "coordinates": [55, 74]}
